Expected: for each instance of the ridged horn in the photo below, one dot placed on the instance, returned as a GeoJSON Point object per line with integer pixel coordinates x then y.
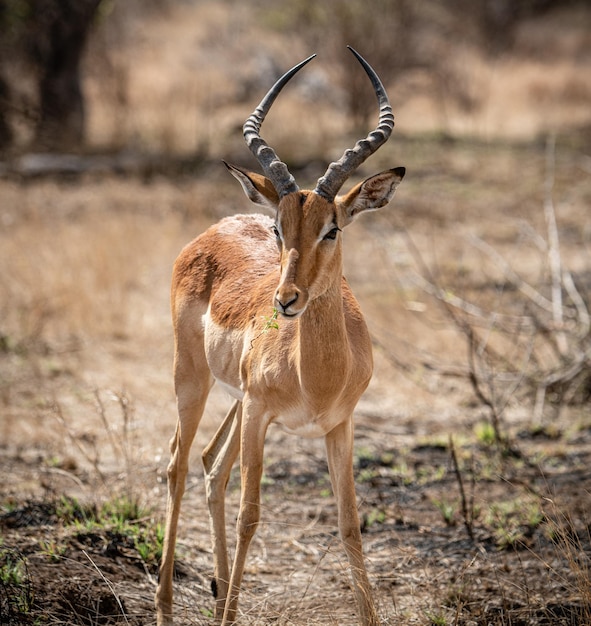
{"type": "Point", "coordinates": [337, 173]}
{"type": "Point", "coordinates": [275, 170]}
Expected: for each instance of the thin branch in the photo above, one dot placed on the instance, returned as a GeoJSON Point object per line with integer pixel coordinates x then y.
{"type": "Point", "coordinates": [554, 246]}
{"type": "Point", "coordinates": [466, 513]}
{"type": "Point", "coordinates": [109, 585]}
{"type": "Point", "coordinates": [102, 413]}
{"type": "Point", "coordinates": [94, 460]}
{"type": "Point", "coordinates": [533, 294]}
{"type": "Point", "coordinates": [582, 310]}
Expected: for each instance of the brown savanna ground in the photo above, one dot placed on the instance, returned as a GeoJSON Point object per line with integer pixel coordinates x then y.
{"type": "Point", "coordinates": [86, 398]}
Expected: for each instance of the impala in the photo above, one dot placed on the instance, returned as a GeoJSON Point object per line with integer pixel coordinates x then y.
{"type": "Point", "coordinates": [307, 373]}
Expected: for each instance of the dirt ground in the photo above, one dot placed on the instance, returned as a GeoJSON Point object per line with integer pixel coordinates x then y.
{"type": "Point", "coordinates": [88, 407]}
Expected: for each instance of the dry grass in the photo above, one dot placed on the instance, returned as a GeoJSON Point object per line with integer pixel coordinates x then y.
{"type": "Point", "coordinates": [180, 81]}
{"type": "Point", "coordinates": [69, 279]}
{"type": "Point", "coordinates": [75, 258]}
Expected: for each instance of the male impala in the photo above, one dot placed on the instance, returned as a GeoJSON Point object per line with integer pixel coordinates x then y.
{"type": "Point", "coordinates": [306, 375]}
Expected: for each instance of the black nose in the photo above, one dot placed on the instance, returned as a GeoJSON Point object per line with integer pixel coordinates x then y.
{"type": "Point", "coordinates": [285, 305]}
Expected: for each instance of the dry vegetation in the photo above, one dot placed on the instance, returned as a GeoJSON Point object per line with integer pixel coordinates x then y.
{"type": "Point", "coordinates": [472, 460]}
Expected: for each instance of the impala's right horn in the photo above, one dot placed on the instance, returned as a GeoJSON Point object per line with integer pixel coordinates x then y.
{"type": "Point", "coordinates": [275, 170]}
{"type": "Point", "coordinates": [337, 173]}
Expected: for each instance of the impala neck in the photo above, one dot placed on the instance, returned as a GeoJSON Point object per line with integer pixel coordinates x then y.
{"type": "Point", "coordinates": [324, 352]}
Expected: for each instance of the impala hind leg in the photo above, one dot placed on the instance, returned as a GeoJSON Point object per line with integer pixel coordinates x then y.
{"type": "Point", "coordinates": [192, 389]}
{"type": "Point", "coordinates": [339, 447]}
{"type": "Point", "coordinates": [218, 458]}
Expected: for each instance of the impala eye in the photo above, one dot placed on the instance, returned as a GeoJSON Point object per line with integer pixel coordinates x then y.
{"type": "Point", "coordinates": [332, 234]}
{"type": "Point", "coordinates": [276, 232]}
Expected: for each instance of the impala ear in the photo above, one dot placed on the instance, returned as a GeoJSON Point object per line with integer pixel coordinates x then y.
{"type": "Point", "coordinates": [373, 193]}
{"type": "Point", "coordinates": [258, 188]}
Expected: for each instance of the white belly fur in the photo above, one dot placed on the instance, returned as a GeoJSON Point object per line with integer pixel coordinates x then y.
{"type": "Point", "coordinates": [237, 394]}
{"type": "Point", "coordinates": [309, 430]}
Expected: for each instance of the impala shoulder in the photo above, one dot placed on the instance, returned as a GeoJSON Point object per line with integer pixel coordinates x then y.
{"type": "Point", "coordinates": [245, 229]}
{"type": "Point", "coordinates": [240, 244]}
{"type": "Point", "coordinates": [243, 245]}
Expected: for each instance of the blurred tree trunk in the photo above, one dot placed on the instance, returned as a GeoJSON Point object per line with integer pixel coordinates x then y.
{"type": "Point", "coordinates": [5, 129]}
{"type": "Point", "coordinates": [59, 30]}
{"type": "Point", "coordinates": [6, 135]}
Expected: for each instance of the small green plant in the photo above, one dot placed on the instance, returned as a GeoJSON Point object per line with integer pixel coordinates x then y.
{"type": "Point", "coordinates": [375, 516]}
{"type": "Point", "coordinates": [52, 549]}
{"type": "Point", "coordinates": [11, 568]}
{"type": "Point", "coordinates": [8, 507]}
{"type": "Point", "coordinates": [114, 513]}
{"type": "Point", "coordinates": [447, 510]}
{"type": "Point", "coordinates": [148, 542]}
{"type": "Point", "coordinates": [271, 322]}
{"type": "Point", "coordinates": [72, 511]}
{"type": "Point", "coordinates": [121, 516]}
{"type": "Point", "coordinates": [436, 618]}
{"type": "Point", "coordinates": [120, 511]}
{"type": "Point", "coordinates": [512, 522]}
{"type": "Point", "coordinates": [15, 584]}
{"type": "Point", "coordinates": [485, 433]}
{"type": "Point", "coordinates": [403, 472]}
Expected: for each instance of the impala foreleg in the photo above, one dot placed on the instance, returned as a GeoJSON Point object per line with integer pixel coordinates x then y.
{"type": "Point", "coordinates": [252, 443]}
{"type": "Point", "coordinates": [339, 446]}
{"type": "Point", "coordinates": [191, 398]}
{"type": "Point", "coordinates": [218, 459]}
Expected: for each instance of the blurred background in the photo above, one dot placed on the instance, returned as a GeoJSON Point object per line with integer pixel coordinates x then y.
{"type": "Point", "coordinates": [475, 283]}
{"type": "Point", "coordinates": [176, 76]}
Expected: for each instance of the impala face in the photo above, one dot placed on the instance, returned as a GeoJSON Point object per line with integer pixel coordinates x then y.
{"type": "Point", "coordinates": [308, 236]}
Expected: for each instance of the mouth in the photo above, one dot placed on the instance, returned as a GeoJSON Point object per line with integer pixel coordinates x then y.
{"type": "Point", "coordinates": [290, 316]}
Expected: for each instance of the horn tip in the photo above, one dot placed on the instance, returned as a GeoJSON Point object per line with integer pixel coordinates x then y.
{"type": "Point", "coordinates": [354, 51]}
